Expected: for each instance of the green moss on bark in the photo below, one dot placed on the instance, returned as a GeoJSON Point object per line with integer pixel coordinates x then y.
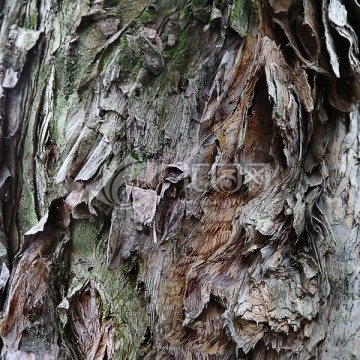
{"type": "Point", "coordinates": [120, 298]}
{"type": "Point", "coordinates": [240, 16]}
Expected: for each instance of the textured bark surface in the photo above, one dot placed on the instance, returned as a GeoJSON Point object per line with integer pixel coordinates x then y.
{"type": "Point", "coordinates": [179, 179]}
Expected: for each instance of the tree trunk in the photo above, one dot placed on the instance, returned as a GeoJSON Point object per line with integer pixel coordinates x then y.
{"type": "Point", "coordinates": [180, 179]}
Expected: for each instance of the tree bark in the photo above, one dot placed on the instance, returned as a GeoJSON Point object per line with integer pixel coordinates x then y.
{"type": "Point", "coordinates": [179, 179]}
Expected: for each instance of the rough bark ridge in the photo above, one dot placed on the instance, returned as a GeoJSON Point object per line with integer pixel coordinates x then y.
{"type": "Point", "coordinates": [179, 179]}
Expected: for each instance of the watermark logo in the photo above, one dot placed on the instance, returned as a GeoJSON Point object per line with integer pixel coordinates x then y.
{"type": "Point", "coordinates": [230, 178]}
{"type": "Point", "coordinates": [117, 191]}
{"type": "Point", "coordinates": [226, 179]}
{"type": "Point", "coordinates": [220, 178]}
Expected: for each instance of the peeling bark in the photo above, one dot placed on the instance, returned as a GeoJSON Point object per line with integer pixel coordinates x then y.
{"type": "Point", "coordinates": [179, 179]}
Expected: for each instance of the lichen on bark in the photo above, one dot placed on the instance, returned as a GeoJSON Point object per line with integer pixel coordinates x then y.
{"type": "Point", "coordinates": [179, 179]}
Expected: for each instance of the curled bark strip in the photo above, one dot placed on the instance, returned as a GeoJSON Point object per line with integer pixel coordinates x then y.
{"type": "Point", "coordinates": [208, 152]}
{"type": "Point", "coordinates": [93, 332]}
{"type": "Point", "coordinates": [30, 311]}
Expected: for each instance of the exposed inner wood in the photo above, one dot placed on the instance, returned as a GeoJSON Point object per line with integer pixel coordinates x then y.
{"type": "Point", "coordinates": [179, 180]}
